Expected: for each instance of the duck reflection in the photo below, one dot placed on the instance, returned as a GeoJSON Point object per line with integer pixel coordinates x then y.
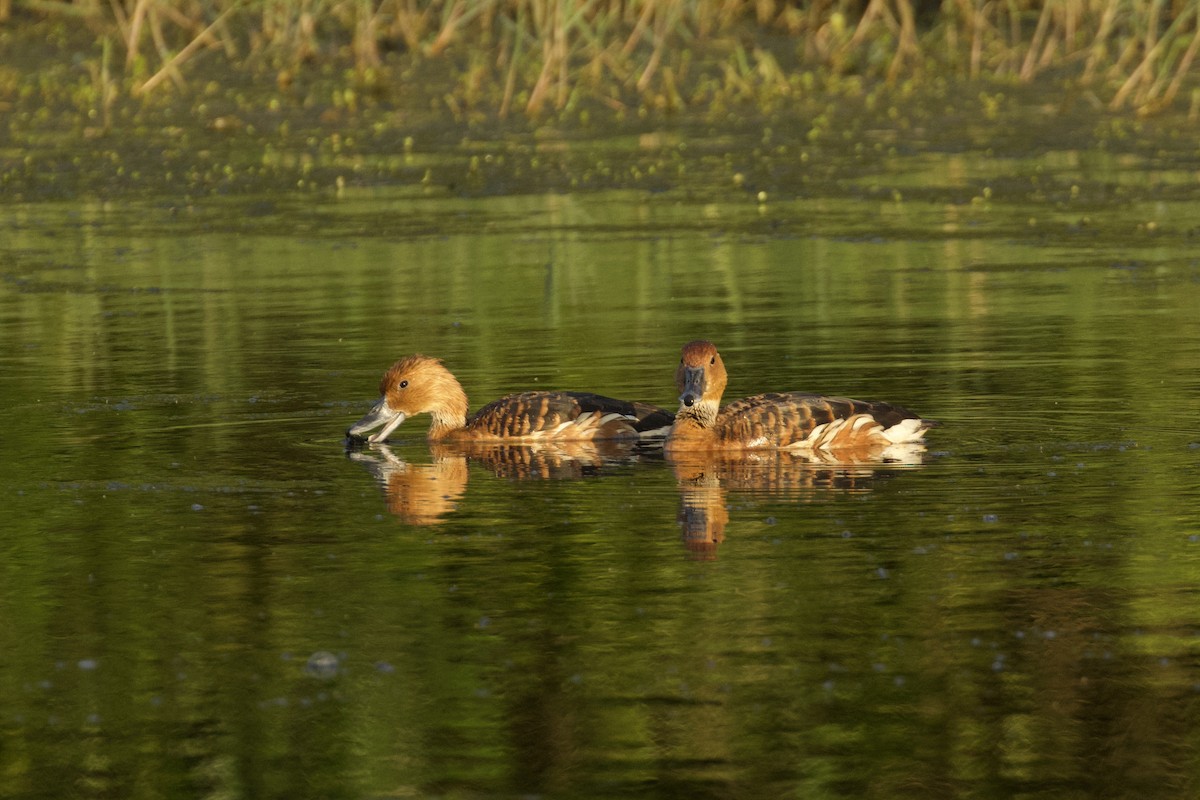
{"type": "Point", "coordinates": [565, 460]}
{"type": "Point", "coordinates": [424, 493]}
{"type": "Point", "coordinates": [705, 477]}
{"type": "Point", "coordinates": [419, 494]}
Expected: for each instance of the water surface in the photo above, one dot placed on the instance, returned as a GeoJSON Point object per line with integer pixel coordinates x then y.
{"type": "Point", "coordinates": [205, 592]}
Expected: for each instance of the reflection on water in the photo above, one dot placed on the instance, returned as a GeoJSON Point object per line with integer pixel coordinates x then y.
{"type": "Point", "coordinates": [706, 478]}
{"type": "Point", "coordinates": [423, 494]}
{"type": "Point", "coordinates": [426, 493]}
{"type": "Point", "coordinates": [419, 494]}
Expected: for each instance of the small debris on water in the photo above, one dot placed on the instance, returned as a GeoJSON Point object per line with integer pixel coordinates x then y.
{"type": "Point", "coordinates": [323, 664]}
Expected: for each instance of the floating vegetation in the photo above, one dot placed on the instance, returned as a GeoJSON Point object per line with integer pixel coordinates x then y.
{"type": "Point", "coordinates": [497, 58]}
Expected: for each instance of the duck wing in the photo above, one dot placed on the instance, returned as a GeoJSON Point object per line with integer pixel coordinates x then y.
{"type": "Point", "coordinates": [647, 419]}
{"type": "Point", "coordinates": [799, 420]}
{"type": "Point", "coordinates": [562, 416]}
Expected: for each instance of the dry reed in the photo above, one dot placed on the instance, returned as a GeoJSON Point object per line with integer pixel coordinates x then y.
{"type": "Point", "coordinates": [542, 55]}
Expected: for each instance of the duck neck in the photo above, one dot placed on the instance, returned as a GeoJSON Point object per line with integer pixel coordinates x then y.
{"type": "Point", "coordinates": [693, 425]}
{"type": "Point", "coordinates": [450, 416]}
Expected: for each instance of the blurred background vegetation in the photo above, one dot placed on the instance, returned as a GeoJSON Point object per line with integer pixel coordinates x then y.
{"type": "Point", "coordinates": [549, 58]}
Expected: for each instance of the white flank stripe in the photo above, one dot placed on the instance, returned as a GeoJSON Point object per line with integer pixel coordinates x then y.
{"type": "Point", "coordinates": [655, 433]}
{"type": "Point", "coordinates": [862, 419]}
{"type": "Point", "coordinates": [831, 431]}
{"type": "Point", "coordinates": [905, 431]}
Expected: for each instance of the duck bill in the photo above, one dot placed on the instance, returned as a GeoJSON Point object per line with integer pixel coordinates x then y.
{"type": "Point", "coordinates": [380, 414]}
{"type": "Point", "coordinates": [691, 386]}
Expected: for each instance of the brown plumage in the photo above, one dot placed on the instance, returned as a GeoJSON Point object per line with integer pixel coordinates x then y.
{"type": "Point", "coordinates": [419, 384]}
{"type": "Point", "coordinates": [793, 420]}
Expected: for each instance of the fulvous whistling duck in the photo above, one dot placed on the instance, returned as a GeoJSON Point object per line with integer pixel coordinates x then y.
{"type": "Point", "coordinates": [420, 384]}
{"type": "Point", "coordinates": [785, 420]}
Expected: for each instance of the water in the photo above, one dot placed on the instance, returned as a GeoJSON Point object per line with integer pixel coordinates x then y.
{"type": "Point", "coordinates": [205, 593]}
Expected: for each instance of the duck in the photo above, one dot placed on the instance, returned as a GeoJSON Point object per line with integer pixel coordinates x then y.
{"type": "Point", "coordinates": [794, 421]}
{"type": "Point", "coordinates": [419, 384]}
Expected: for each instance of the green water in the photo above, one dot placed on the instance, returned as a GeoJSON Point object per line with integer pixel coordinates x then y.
{"type": "Point", "coordinates": [205, 594]}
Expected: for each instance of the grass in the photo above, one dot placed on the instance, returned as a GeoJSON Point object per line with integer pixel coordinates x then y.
{"type": "Point", "coordinates": [538, 57]}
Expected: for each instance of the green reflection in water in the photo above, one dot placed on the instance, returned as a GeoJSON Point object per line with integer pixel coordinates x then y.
{"type": "Point", "coordinates": [185, 535]}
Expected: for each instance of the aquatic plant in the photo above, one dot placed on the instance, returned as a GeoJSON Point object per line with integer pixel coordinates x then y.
{"type": "Point", "coordinates": [635, 56]}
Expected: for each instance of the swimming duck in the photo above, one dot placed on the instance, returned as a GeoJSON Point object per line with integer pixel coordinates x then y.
{"type": "Point", "coordinates": [786, 420]}
{"type": "Point", "coordinates": [419, 384]}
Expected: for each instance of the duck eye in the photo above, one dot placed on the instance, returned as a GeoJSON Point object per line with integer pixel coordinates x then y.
{"type": "Point", "coordinates": [713, 360]}
{"type": "Point", "coordinates": [403, 384]}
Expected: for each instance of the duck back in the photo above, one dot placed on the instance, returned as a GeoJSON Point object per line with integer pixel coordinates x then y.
{"type": "Point", "coordinates": [564, 415]}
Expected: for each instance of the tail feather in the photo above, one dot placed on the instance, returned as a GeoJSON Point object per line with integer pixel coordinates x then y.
{"type": "Point", "coordinates": [907, 431]}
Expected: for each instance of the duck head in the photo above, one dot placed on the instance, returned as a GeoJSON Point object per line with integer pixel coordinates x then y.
{"type": "Point", "coordinates": [414, 385]}
{"type": "Point", "coordinates": [701, 379]}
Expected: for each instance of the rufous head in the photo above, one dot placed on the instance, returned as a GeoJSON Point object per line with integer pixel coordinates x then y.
{"type": "Point", "coordinates": [701, 379]}
{"type": "Point", "coordinates": [416, 384]}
